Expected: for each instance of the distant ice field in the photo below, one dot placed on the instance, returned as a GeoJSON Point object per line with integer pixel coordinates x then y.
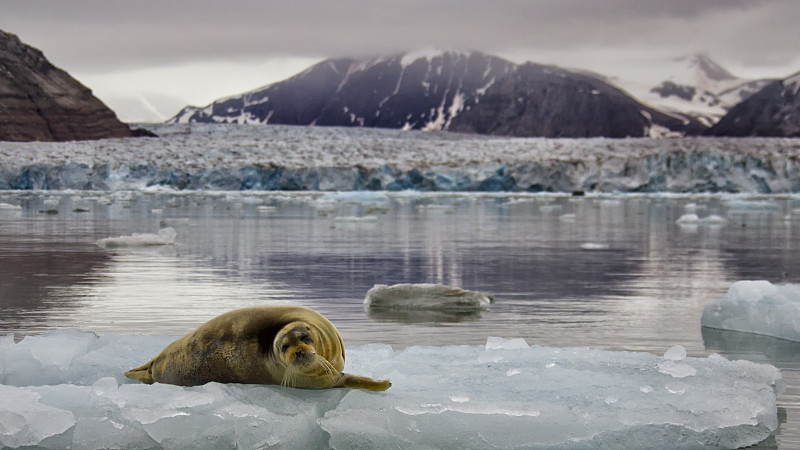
{"type": "Point", "coordinates": [246, 157]}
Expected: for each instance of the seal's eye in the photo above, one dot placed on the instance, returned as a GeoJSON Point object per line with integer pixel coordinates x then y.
{"type": "Point", "coordinates": [285, 348]}
{"type": "Point", "coordinates": [306, 338]}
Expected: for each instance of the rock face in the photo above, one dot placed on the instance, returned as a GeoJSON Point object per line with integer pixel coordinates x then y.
{"type": "Point", "coordinates": [422, 90]}
{"type": "Point", "coordinates": [547, 101]}
{"type": "Point", "coordinates": [773, 111]}
{"type": "Point", "coordinates": [40, 102]}
{"type": "Point", "coordinates": [447, 90]}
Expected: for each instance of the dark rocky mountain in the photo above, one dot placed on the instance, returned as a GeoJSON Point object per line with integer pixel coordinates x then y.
{"type": "Point", "coordinates": [547, 101]}
{"type": "Point", "coordinates": [412, 91]}
{"type": "Point", "coordinates": [457, 91]}
{"type": "Point", "coordinates": [772, 111]}
{"type": "Point", "coordinates": [40, 102]}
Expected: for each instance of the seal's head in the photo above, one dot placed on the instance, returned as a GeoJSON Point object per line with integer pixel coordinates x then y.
{"type": "Point", "coordinates": [295, 348]}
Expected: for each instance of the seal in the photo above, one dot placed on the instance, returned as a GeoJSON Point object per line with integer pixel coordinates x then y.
{"type": "Point", "coordinates": [286, 345]}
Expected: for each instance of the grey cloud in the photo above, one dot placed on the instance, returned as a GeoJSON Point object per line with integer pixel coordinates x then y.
{"type": "Point", "coordinates": [108, 35]}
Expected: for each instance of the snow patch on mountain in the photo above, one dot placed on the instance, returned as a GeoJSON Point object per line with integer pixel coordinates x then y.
{"type": "Point", "coordinates": [693, 85]}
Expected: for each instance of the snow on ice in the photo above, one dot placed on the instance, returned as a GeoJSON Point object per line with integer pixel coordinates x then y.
{"type": "Point", "coordinates": [243, 157]}
{"type": "Point", "coordinates": [66, 389]}
{"type": "Point", "coordinates": [757, 307]}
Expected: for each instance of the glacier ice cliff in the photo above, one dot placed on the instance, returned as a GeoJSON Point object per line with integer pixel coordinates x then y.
{"type": "Point", "coordinates": [65, 389]}
{"type": "Point", "coordinates": [242, 157]}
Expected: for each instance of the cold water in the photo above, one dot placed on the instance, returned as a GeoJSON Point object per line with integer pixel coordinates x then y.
{"type": "Point", "coordinates": [606, 272]}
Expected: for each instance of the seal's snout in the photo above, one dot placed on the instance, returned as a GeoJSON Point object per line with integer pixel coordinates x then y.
{"type": "Point", "coordinates": [303, 353]}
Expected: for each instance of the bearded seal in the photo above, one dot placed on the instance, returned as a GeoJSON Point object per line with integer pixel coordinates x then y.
{"type": "Point", "coordinates": [426, 296]}
{"type": "Point", "coordinates": [287, 345]}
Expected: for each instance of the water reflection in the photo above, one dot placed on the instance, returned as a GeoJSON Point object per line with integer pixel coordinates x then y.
{"type": "Point", "coordinates": [407, 316]}
{"type": "Point", "coordinates": [605, 272]}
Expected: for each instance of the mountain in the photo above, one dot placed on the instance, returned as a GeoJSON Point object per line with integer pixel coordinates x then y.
{"type": "Point", "coordinates": [547, 101]}
{"type": "Point", "coordinates": [418, 90]}
{"type": "Point", "coordinates": [772, 111]}
{"type": "Point", "coordinates": [40, 102]}
{"type": "Point", "coordinates": [693, 85]}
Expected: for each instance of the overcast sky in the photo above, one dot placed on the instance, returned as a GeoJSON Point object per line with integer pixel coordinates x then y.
{"type": "Point", "coordinates": [147, 59]}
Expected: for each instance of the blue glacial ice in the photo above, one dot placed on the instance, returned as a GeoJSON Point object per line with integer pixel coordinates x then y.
{"type": "Point", "coordinates": [66, 389]}
{"type": "Point", "coordinates": [243, 157]}
{"type": "Point", "coordinates": [757, 307]}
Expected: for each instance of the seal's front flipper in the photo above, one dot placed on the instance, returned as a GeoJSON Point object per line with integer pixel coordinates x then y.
{"type": "Point", "coordinates": [357, 382]}
{"type": "Point", "coordinates": [141, 373]}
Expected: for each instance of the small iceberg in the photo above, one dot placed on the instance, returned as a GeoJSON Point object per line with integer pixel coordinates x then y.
{"type": "Point", "coordinates": [165, 236]}
{"type": "Point", "coordinates": [758, 307]}
{"type": "Point", "coordinates": [694, 219]}
{"type": "Point", "coordinates": [9, 207]}
{"type": "Point", "coordinates": [425, 296]}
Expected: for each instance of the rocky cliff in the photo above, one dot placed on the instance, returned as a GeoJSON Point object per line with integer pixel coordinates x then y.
{"type": "Point", "coordinates": [40, 102]}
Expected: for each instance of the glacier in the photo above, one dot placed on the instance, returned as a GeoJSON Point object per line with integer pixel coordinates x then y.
{"type": "Point", "coordinates": [246, 157]}
{"type": "Point", "coordinates": [758, 307]}
{"type": "Point", "coordinates": [65, 389]}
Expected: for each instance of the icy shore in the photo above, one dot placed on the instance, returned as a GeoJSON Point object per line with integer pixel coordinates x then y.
{"type": "Point", "coordinates": [66, 389]}
{"type": "Point", "coordinates": [242, 157]}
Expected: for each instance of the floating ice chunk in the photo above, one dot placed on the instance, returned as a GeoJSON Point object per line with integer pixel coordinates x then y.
{"type": "Point", "coordinates": [714, 219]}
{"type": "Point", "coordinates": [690, 218]}
{"type": "Point", "coordinates": [165, 236]}
{"type": "Point", "coordinates": [356, 219]}
{"type": "Point", "coordinates": [757, 307]}
{"type": "Point", "coordinates": [567, 217]}
{"type": "Point", "coordinates": [443, 396]}
{"type": "Point", "coordinates": [425, 296]}
{"type": "Point", "coordinates": [497, 343]}
{"type": "Point", "coordinates": [359, 197]}
{"type": "Point", "coordinates": [675, 353]}
{"type": "Point", "coordinates": [694, 219]}
{"type": "Point", "coordinates": [594, 246]}
{"type": "Point", "coordinates": [436, 208]}
{"type": "Point", "coordinates": [9, 207]}
{"type": "Point", "coordinates": [750, 205]}
{"type": "Point", "coordinates": [266, 209]}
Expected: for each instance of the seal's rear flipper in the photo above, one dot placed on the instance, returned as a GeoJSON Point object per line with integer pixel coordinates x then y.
{"type": "Point", "coordinates": [141, 373]}
{"type": "Point", "coordinates": [358, 382]}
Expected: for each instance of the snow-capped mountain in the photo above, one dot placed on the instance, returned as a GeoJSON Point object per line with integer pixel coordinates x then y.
{"type": "Point", "coordinates": [418, 90]}
{"type": "Point", "coordinates": [548, 101]}
{"type": "Point", "coordinates": [693, 85]}
{"type": "Point", "coordinates": [772, 111]}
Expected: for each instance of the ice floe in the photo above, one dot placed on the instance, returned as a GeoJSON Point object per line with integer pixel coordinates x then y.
{"type": "Point", "coordinates": [757, 307]}
{"type": "Point", "coordinates": [65, 389]}
{"type": "Point", "coordinates": [165, 236]}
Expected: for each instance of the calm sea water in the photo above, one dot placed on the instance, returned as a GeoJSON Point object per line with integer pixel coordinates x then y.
{"type": "Point", "coordinates": [607, 272]}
